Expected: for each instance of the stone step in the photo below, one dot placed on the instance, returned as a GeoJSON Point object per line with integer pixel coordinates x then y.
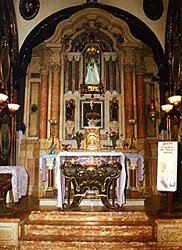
{"type": "Point", "coordinates": [82, 245]}
{"type": "Point", "coordinates": [46, 215]}
{"type": "Point", "coordinates": [134, 232]}
{"type": "Point", "coordinates": [77, 243]}
{"type": "Point", "coordinates": [73, 230]}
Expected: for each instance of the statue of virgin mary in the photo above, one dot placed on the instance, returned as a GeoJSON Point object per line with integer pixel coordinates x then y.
{"type": "Point", "coordinates": [92, 76]}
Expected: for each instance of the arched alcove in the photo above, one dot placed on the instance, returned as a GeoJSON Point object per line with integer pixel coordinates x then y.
{"type": "Point", "coordinates": [57, 70]}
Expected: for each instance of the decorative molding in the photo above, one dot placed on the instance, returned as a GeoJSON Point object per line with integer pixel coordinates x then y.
{"type": "Point", "coordinates": [128, 67]}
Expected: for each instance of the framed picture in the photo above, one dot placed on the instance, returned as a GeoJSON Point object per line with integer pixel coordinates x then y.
{"type": "Point", "coordinates": [92, 138]}
{"type": "Point", "coordinates": [92, 114]}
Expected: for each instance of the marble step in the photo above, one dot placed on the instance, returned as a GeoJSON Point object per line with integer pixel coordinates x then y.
{"type": "Point", "coordinates": [116, 230]}
{"type": "Point", "coordinates": [53, 215]}
{"type": "Point", "coordinates": [49, 230]}
{"type": "Point", "coordinates": [52, 201]}
{"type": "Point", "coordinates": [72, 244]}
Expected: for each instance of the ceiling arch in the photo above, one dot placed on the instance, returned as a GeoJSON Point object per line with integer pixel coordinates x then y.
{"type": "Point", "coordinates": [95, 21]}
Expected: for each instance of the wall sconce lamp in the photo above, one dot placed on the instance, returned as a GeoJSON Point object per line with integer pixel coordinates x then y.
{"type": "Point", "coordinates": [12, 107]}
{"type": "Point", "coordinates": [153, 114]}
{"type": "Point", "coordinates": [3, 99]}
{"type": "Point", "coordinates": [174, 103]}
{"type": "Point", "coordinates": [167, 109]}
{"type": "Point", "coordinates": [175, 100]}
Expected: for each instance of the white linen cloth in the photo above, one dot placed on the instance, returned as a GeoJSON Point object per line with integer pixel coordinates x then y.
{"type": "Point", "coordinates": [19, 180]}
{"type": "Point", "coordinates": [121, 181]}
{"type": "Point", "coordinates": [137, 160]}
{"type": "Point", "coordinates": [43, 167]}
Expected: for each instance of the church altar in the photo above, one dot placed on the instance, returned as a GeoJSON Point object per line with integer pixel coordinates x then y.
{"type": "Point", "coordinates": [51, 170]}
{"type": "Point", "coordinates": [19, 180]}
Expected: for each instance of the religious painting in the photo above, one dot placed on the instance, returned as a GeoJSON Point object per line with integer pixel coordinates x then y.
{"type": "Point", "coordinates": [114, 109]}
{"type": "Point", "coordinates": [167, 166]}
{"type": "Point", "coordinates": [92, 114]}
{"type": "Point", "coordinates": [92, 138]}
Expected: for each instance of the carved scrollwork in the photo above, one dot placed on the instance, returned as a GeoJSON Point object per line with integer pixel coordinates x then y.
{"type": "Point", "coordinates": [91, 176]}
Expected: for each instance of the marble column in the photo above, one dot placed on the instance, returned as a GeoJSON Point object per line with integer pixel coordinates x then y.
{"type": "Point", "coordinates": [70, 74]}
{"type": "Point", "coordinates": [77, 56]}
{"type": "Point", "coordinates": [114, 70]}
{"type": "Point", "coordinates": [55, 97]}
{"type": "Point", "coordinates": [77, 75]}
{"type": "Point", "coordinates": [129, 104]}
{"type": "Point", "coordinates": [61, 109]}
{"type": "Point", "coordinates": [140, 102]}
{"type": "Point", "coordinates": [43, 104]}
{"type": "Point", "coordinates": [107, 58]}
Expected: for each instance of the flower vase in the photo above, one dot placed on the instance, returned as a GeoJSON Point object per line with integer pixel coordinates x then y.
{"type": "Point", "coordinates": [114, 144]}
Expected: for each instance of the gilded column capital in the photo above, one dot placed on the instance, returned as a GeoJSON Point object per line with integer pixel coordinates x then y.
{"type": "Point", "coordinates": [55, 68]}
{"type": "Point", "coordinates": [107, 58]}
{"type": "Point", "coordinates": [128, 67]}
{"type": "Point", "coordinates": [129, 55]}
{"type": "Point", "coordinates": [77, 56]}
{"type": "Point", "coordinates": [140, 69]}
{"type": "Point", "coordinates": [44, 69]}
{"type": "Point", "coordinates": [70, 57]}
{"type": "Point", "coordinates": [55, 55]}
{"type": "Point", "coordinates": [114, 56]}
{"type": "Point", "coordinates": [139, 62]}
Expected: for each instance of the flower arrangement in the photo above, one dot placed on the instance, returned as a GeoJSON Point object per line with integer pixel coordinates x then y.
{"type": "Point", "coordinates": [114, 135]}
{"type": "Point", "coordinates": [92, 115]}
{"type": "Point", "coordinates": [78, 137]}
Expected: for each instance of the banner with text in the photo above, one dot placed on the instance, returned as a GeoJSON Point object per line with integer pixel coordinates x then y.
{"type": "Point", "coordinates": [167, 166]}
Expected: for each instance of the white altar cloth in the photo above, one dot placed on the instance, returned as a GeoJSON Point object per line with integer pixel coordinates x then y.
{"type": "Point", "coordinates": [42, 165]}
{"type": "Point", "coordinates": [137, 161]}
{"type": "Point", "coordinates": [121, 181]}
{"type": "Point", "coordinates": [19, 180]}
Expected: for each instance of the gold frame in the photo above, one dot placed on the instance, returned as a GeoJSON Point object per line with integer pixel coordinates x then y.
{"type": "Point", "coordinates": [92, 138]}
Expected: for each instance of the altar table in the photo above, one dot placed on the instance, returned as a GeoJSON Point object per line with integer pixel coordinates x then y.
{"type": "Point", "coordinates": [121, 181]}
{"type": "Point", "coordinates": [19, 180]}
{"type": "Point", "coordinates": [134, 161]}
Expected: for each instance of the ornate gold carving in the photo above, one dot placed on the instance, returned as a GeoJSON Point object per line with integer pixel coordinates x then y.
{"type": "Point", "coordinates": [90, 173]}
{"type": "Point", "coordinates": [92, 138]}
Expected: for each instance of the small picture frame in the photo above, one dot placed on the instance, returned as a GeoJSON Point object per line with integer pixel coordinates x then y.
{"type": "Point", "coordinates": [92, 114]}
{"type": "Point", "coordinates": [92, 138]}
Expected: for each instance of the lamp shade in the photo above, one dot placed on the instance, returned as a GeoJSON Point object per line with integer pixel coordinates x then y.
{"type": "Point", "coordinates": [3, 97]}
{"type": "Point", "coordinates": [175, 99]}
{"type": "Point", "coordinates": [13, 107]}
{"type": "Point", "coordinates": [167, 108]}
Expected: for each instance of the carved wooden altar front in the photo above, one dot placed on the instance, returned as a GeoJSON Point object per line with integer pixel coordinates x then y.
{"type": "Point", "coordinates": [91, 173]}
{"type": "Point", "coordinates": [106, 174]}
